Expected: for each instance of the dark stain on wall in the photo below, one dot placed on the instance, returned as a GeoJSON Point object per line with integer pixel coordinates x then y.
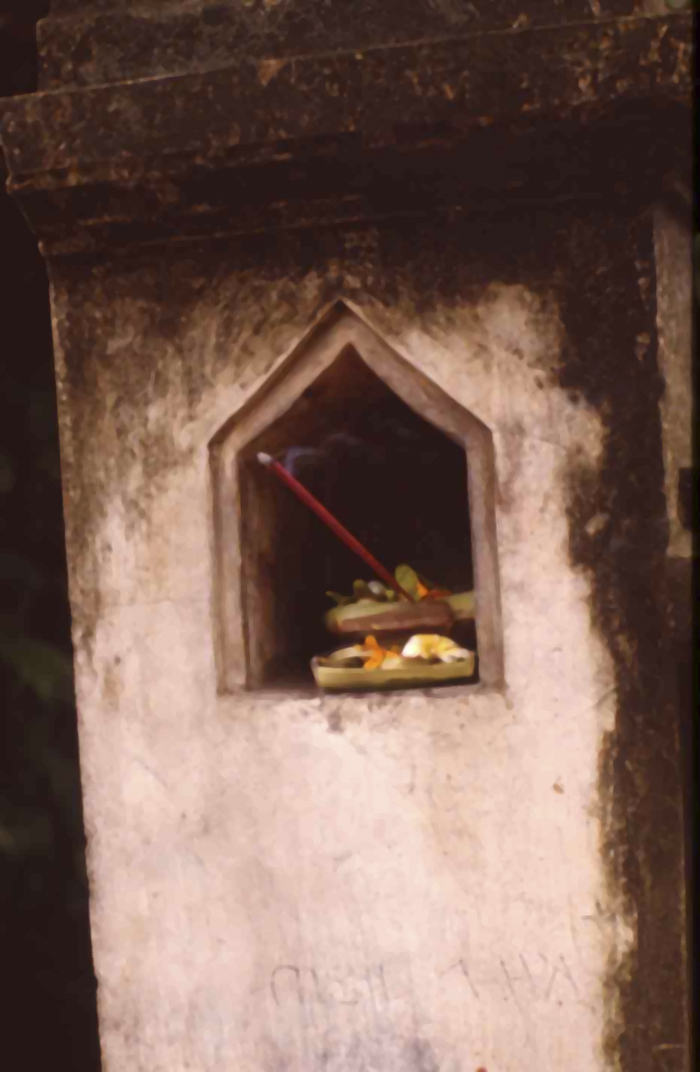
{"type": "Point", "coordinates": [618, 534]}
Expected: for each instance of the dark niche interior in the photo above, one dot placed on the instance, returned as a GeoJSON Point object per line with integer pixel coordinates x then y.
{"type": "Point", "coordinates": [397, 482]}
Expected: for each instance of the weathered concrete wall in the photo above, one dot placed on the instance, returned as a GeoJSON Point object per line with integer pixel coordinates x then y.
{"type": "Point", "coordinates": [673, 257]}
{"type": "Point", "coordinates": [418, 882]}
{"type": "Point", "coordinates": [674, 273]}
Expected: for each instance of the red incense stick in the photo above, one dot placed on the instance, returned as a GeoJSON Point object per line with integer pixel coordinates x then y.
{"type": "Point", "coordinates": [333, 524]}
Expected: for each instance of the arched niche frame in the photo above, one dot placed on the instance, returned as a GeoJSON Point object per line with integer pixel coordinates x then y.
{"type": "Point", "coordinates": [249, 532]}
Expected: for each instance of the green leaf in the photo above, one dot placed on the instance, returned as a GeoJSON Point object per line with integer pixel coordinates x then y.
{"type": "Point", "coordinates": [40, 667]}
{"type": "Point", "coordinates": [408, 579]}
{"type": "Point", "coordinates": [25, 832]}
{"type": "Point", "coordinates": [338, 599]}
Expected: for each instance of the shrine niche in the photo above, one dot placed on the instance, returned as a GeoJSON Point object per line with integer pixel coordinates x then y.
{"type": "Point", "coordinates": [349, 424]}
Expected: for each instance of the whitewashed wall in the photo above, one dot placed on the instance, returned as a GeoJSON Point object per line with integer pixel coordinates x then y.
{"type": "Point", "coordinates": [408, 882]}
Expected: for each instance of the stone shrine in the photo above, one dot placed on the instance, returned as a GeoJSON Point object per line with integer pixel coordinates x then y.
{"type": "Point", "coordinates": [451, 229]}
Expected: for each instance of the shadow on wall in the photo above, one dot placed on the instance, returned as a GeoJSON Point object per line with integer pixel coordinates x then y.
{"type": "Point", "coordinates": [49, 998]}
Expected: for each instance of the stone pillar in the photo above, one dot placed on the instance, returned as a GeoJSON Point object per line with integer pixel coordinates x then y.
{"type": "Point", "coordinates": [455, 202]}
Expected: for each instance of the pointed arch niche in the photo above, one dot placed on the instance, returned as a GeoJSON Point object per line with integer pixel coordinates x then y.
{"type": "Point", "coordinates": [404, 466]}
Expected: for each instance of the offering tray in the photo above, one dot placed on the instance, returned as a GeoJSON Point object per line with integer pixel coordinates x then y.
{"type": "Point", "coordinates": [343, 671]}
{"type": "Point", "coordinates": [428, 616]}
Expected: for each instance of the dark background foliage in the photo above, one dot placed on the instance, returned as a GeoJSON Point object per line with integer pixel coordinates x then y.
{"type": "Point", "coordinates": [48, 1012]}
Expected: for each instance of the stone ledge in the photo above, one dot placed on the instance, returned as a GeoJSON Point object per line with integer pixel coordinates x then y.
{"type": "Point", "coordinates": [86, 163]}
{"type": "Point", "coordinates": [108, 43]}
{"type": "Point", "coordinates": [462, 81]}
{"type": "Point", "coordinates": [486, 171]}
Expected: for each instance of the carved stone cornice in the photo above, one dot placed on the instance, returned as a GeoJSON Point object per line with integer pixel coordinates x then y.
{"type": "Point", "coordinates": [280, 141]}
